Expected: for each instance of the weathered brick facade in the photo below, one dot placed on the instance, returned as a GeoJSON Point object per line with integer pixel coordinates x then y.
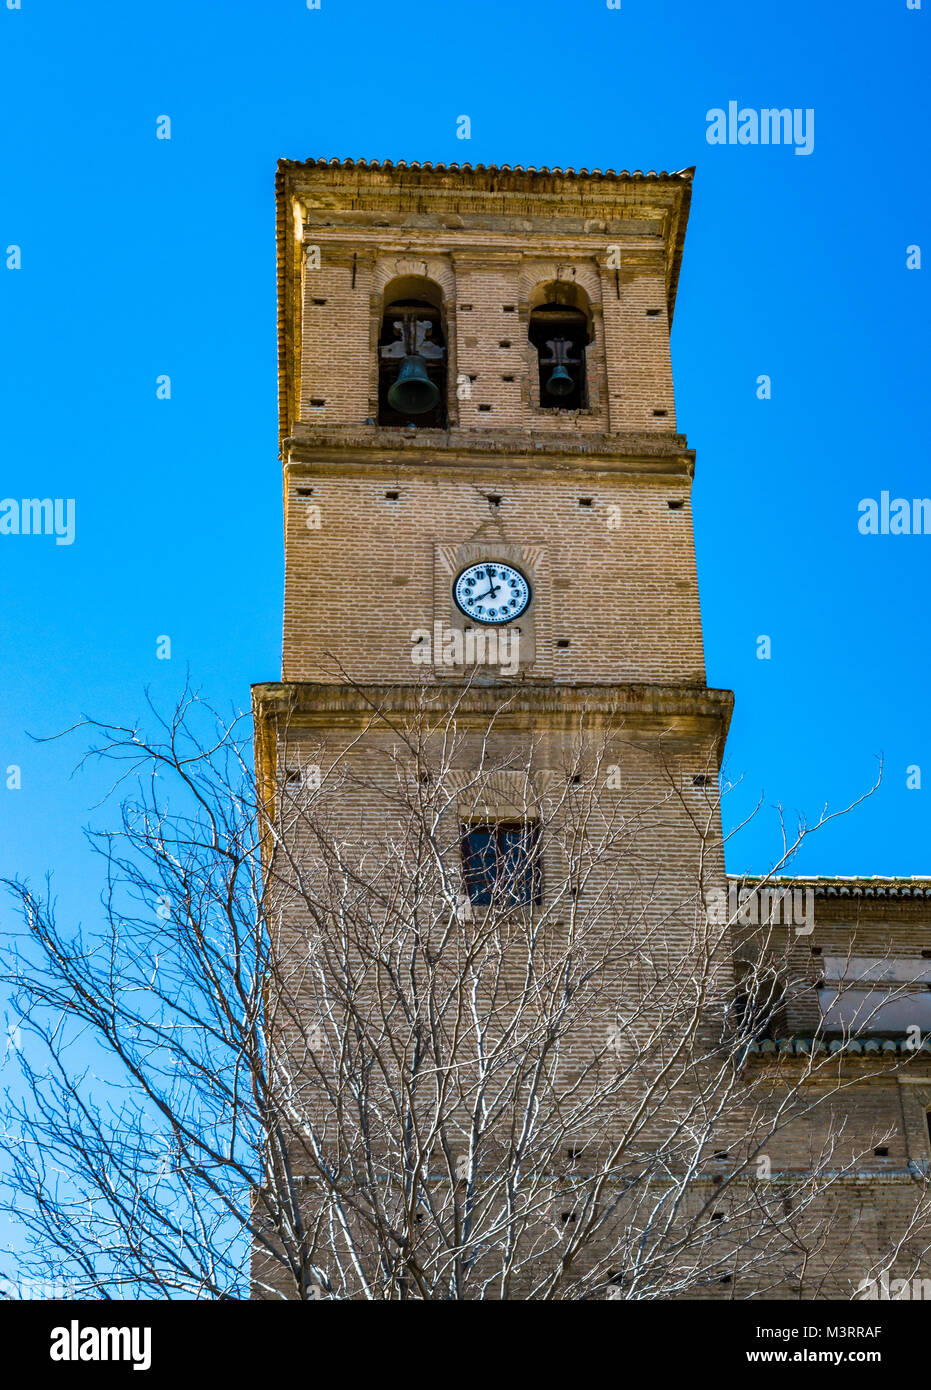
{"type": "Point", "coordinates": [593, 506]}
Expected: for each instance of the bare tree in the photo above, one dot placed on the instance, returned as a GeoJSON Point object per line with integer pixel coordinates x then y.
{"type": "Point", "coordinates": [315, 1050]}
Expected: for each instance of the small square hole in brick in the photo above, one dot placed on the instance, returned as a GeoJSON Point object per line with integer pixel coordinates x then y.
{"type": "Point", "coordinates": [653, 313]}
{"type": "Point", "coordinates": [293, 779]}
{"type": "Point", "coordinates": [305, 492]}
{"type": "Point", "coordinates": [701, 779]}
{"type": "Point", "coordinates": [586, 501]}
{"type": "Point", "coordinates": [881, 1152]}
{"type": "Point", "coordinates": [484, 407]}
{"type": "Point", "coordinates": [926, 955]}
{"type": "Point", "coordinates": [816, 950]}
{"type": "Point", "coordinates": [318, 402]}
{"type": "Point", "coordinates": [392, 496]}
{"type": "Point", "coordinates": [562, 642]}
{"type": "Point", "coordinates": [509, 308]}
{"type": "Point", "coordinates": [576, 778]}
{"type": "Point", "coordinates": [494, 499]}
{"type": "Point", "coordinates": [507, 378]}
{"type": "Point", "coordinates": [675, 504]}
{"type": "Point", "coordinates": [318, 302]}
{"type": "Point", "coordinates": [660, 414]}
{"type": "Point", "coordinates": [505, 342]}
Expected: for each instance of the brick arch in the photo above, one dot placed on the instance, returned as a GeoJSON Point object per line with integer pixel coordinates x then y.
{"type": "Point", "coordinates": [573, 293]}
{"type": "Point", "coordinates": [412, 275]}
{"type": "Point", "coordinates": [539, 276]}
{"type": "Point", "coordinates": [409, 278]}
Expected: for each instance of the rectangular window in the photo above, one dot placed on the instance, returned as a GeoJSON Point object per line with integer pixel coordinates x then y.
{"type": "Point", "coordinates": [501, 863]}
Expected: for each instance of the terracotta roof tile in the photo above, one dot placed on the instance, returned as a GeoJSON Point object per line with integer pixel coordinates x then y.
{"type": "Point", "coordinates": [543, 170]}
{"type": "Point", "coordinates": [845, 885]}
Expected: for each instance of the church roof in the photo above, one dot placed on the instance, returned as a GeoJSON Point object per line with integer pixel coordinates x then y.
{"type": "Point", "coordinates": [543, 170]}
{"type": "Point", "coordinates": [846, 885]}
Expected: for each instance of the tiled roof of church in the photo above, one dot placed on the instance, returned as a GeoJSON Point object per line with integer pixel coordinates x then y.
{"type": "Point", "coordinates": [847, 885]}
{"type": "Point", "coordinates": [626, 175]}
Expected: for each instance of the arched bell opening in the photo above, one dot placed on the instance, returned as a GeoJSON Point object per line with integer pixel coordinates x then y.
{"type": "Point", "coordinates": [412, 355]}
{"type": "Point", "coordinates": [560, 331]}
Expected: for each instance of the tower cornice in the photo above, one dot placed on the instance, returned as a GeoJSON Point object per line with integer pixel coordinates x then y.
{"type": "Point", "coordinates": [370, 446]}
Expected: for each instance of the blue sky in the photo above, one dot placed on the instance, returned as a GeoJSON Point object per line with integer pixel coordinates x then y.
{"type": "Point", "coordinates": [142, 257]}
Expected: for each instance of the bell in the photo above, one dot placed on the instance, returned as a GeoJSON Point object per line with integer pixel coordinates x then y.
{"type": "Point", "coordinates": [560, 382]}
{"type": "Point", "coordinates": [413, 393]}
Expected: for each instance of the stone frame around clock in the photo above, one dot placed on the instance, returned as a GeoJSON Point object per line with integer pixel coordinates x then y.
{"type": "Point", "coordinates": [534, 622]}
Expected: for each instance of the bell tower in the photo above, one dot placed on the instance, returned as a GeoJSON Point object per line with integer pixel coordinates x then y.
{"type": "Point", "coordinates": [487, 514]}
{"type": "Point", "coordinates": [474, 366]}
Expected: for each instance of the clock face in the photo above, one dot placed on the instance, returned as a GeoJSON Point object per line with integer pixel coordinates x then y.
{"type": "Point", "coordinates": [491, 593]}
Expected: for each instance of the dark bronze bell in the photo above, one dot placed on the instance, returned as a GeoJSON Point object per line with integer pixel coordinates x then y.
{"type": "Point", "coordinates": [560, 382]}
{"type": "Point", "coordinates": [413, 393]}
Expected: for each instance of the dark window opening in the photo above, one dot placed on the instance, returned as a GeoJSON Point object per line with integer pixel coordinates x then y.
{"type": "Point", "coordinates": [412, 365]}
{"type": "Point", "coordinates": [501, 863]}
{"type": "Point", "coordinates": [560, 335]}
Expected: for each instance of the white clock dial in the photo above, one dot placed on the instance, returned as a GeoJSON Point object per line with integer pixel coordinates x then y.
{"type": "Point", "coordinates": [491, 592]}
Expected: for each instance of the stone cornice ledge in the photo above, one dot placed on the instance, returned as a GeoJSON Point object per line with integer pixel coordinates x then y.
{"type": "Point", "coordinates": [634, 452]}
{"type": "Point", "coordinates": [313, 702]}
